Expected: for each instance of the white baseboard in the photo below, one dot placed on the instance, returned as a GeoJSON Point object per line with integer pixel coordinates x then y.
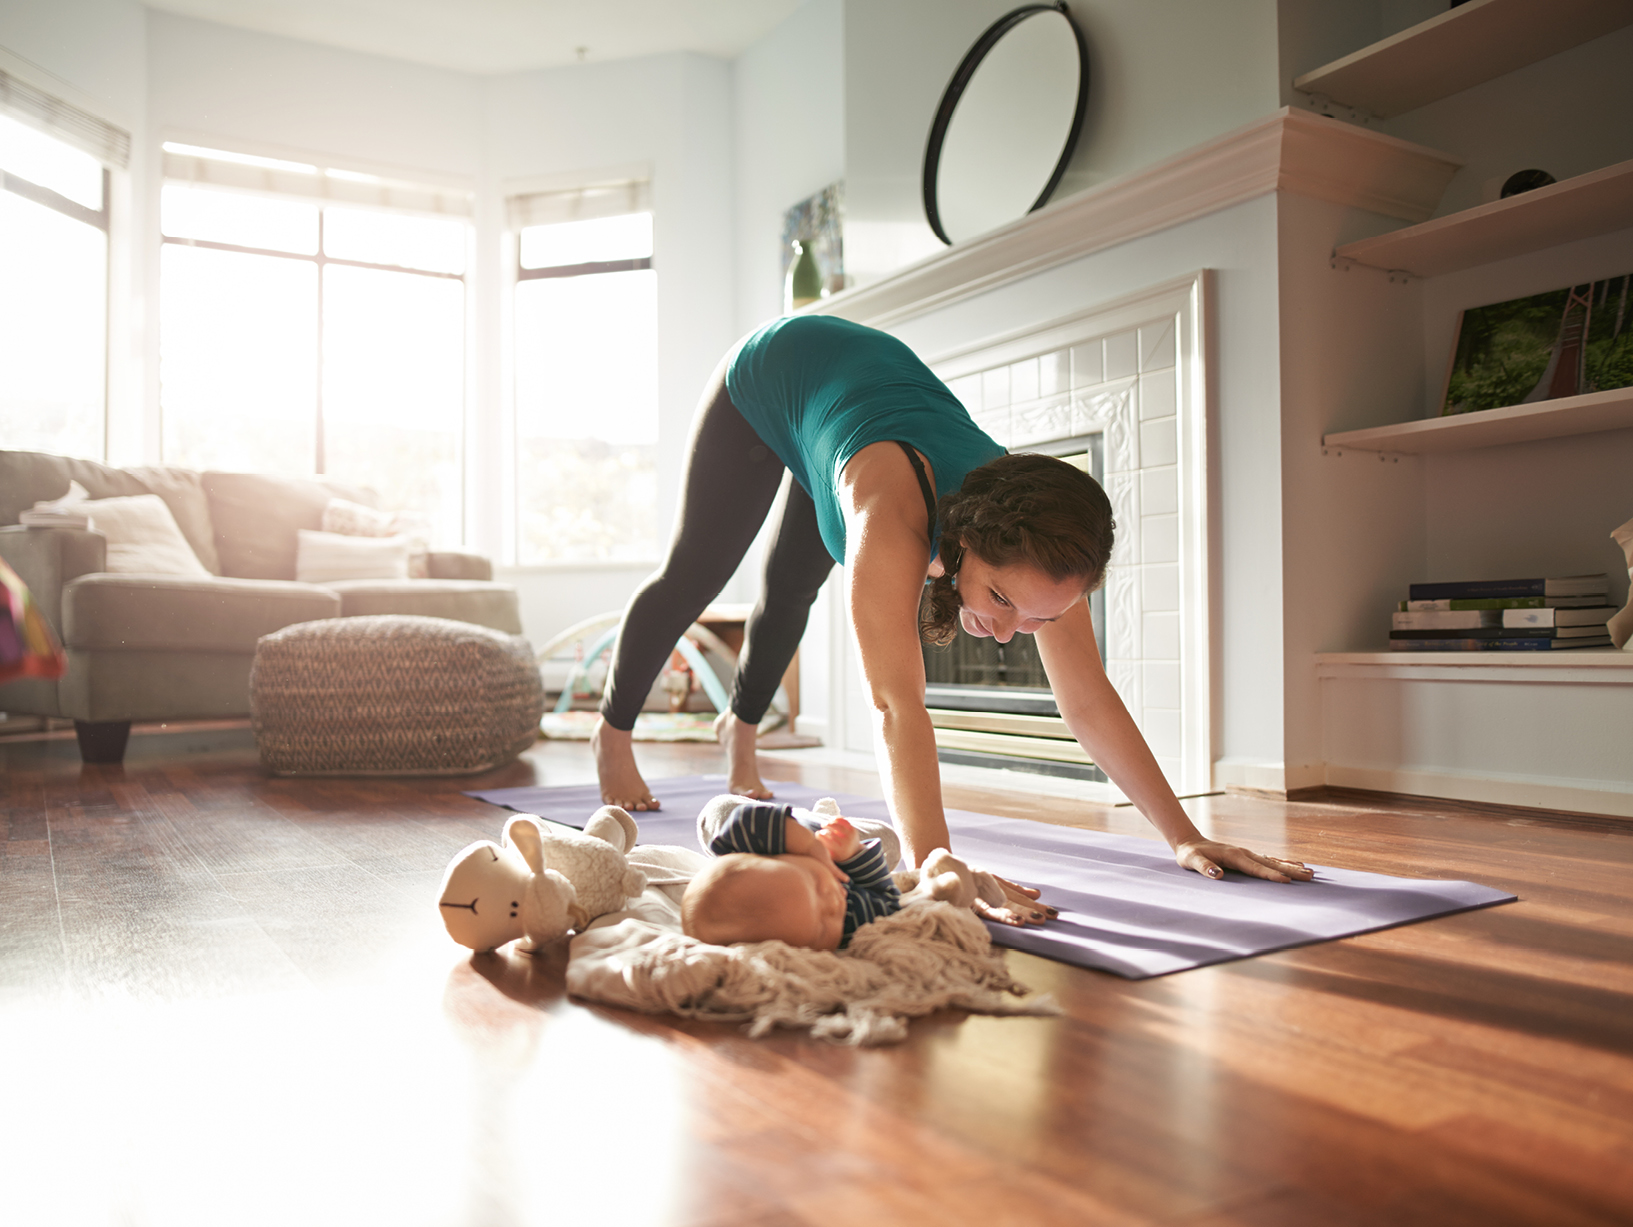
{"type": "Point", "coordinates": [1611, 799]}
{"type": "Point", "coordinates": [1266, 777]}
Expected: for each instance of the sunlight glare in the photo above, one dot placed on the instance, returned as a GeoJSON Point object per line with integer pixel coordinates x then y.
{"type": "Point", "coordinates": [393, 389]}
{"type": "Point", "coordinates": [53, 329]}
{"type": "Point", "coordinates": [237, 366]}
{"type": "Point", "coordinates": [32, 155]}
{"type": "Point", "coordinates": [217, 216]}
{"type": "Point", "coordinates": [627, 236]}
{"type": "Point", "coordinates": [436, 244]}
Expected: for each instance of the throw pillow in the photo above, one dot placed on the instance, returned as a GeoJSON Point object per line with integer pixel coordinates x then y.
{"type": "Point", "coordinates": [321, 558]}
{"type": "Point", "coordinates": [143, 536]}
{"type": "Point", "coordinates": [341, 515]}
{"type": "Point", "coordinates": [357, 520]}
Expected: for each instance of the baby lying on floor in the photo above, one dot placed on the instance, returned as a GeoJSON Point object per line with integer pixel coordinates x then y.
{"type": "Point", "coordinates": [774, 879]}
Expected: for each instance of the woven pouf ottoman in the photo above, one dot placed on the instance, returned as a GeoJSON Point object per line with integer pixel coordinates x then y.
{"type": "Point", "coordinates": [392, 694]}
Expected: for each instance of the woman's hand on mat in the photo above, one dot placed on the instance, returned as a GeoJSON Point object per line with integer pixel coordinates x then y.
{"type": "Point", "coordinates": [1020, 906]}
{"type": "Point", "coordinates": [1211, 858]}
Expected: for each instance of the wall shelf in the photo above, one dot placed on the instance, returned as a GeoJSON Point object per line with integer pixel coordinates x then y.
{"type": "Point", "coordinates": [1577, 208]}
{"type": "Point", "coordinates": [1578, 666]}
{"type": "Point", "coordinates": [1554, 419]}
{"type": "Point", "coordinates": [1461, 48]}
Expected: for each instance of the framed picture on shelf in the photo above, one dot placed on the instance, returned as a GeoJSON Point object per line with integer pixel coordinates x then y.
{"type": "Point", "coordinates": [1563, 343]}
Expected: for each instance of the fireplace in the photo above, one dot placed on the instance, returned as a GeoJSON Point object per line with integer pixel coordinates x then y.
{"type": "Point", "coordinates": [1119, 390]}
{"type": "Point", "coordinates": [990, 702]}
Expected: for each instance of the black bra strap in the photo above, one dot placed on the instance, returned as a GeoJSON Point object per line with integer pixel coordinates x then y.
{"type": "Point", "coordinates": [924, 486]}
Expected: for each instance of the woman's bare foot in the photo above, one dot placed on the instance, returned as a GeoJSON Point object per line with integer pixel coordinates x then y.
{"type": "Point", "coordinates": [621, 782]}
{"type": "Point", "coordinates": [742, 759]}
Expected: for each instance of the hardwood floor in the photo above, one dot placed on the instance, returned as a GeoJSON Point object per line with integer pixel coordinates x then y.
{"type": "Point", "coordinates": [228, 999]}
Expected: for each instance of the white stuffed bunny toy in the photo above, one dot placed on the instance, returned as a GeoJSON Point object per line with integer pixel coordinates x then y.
{"type": "Point", "coordinates": [544, 881]}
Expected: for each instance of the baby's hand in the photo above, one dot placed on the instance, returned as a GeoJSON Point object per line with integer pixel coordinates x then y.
{"type": "Point", "coordinates": [840, 838]}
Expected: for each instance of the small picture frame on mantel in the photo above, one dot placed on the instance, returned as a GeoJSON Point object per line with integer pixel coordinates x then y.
{"type": "Point", "coordinates": [1562, 343]}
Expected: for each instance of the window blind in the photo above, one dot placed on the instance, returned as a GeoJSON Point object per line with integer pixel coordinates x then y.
{"type": "Point", "coordinates": [65, 121]}
{"type": "Point", "coordinates": [284, 178]}
{"type": "Point", "coordinates": [580, 204]}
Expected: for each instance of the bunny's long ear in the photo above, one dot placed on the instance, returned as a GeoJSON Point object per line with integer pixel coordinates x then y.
{"type": "Point", "coordinates": [615, 826]}
{"type": "Point", "coordinates": [525, 835]}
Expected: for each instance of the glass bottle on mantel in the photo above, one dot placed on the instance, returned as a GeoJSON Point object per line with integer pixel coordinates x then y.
{"type": "Point", "coordinates": [804, 282]}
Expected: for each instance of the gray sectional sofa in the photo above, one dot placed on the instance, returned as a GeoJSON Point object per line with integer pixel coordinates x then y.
{"type": "Point", "coordinates": [163, 647]}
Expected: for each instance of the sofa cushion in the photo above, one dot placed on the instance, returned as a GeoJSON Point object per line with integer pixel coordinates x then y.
{"type": "Point", "coordinates": [129, 612]}
{"type": "Point", "coordinates": [27, 478]}
{"type": "Point", "coordinates": [323, 557]}
{"type": "Point", "coordinates": [143, 538]}
{"type": "Point", "coordinates": [462, 600]}
{"type": "Point", "coordinates": [183, 492]}
{"type": "Point", "coordinates": [256, 517]}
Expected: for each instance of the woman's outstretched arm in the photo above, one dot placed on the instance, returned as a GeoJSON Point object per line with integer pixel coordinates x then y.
{"type": "Point", "coordinates": [887, 553]}
{"type": "Point", "coordinates": [1095, 714]}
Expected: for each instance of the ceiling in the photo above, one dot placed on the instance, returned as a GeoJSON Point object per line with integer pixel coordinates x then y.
{"type": "Point", "coordinates": [499, 36]}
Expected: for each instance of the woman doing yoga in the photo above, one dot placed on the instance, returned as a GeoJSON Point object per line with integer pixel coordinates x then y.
{"type": "Point", "coordinates": [893, 479]}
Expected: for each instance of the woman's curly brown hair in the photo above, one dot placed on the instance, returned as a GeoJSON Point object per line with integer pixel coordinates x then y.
{"type": "Point", "coordinates": [1019, 508]}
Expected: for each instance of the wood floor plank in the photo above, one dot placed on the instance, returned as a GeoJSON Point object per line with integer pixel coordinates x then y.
{"type": "Point", "coordinates": [279, 937]}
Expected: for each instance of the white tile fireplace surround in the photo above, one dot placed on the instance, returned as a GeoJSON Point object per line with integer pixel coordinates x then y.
{"type": "Point", "coordinates": [1130, 372]}
{"type": "Point", "coordinates": [1147, 310]}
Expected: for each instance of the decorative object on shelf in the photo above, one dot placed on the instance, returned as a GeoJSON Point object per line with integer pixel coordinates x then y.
{"type": "Point", "coordinates": [1008, 122]}
{"type": "Point", "coordinates": [813, 235]}
{"type": "Point", "coordinates": [1621, 625]}
{"type": "Point", "coordinates": [1526, 181]}
{"type": "Point", "coordinates": [802, 285]}
{"type": "Point", "coordinates": [1563, 343]}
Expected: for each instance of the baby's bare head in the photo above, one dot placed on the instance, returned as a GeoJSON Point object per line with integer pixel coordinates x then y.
{"type": "Point", "coordinates": [746, 898]}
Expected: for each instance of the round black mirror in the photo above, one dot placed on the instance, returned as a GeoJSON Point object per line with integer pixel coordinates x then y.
{"type": "Point", "coordinates": [1008, 123]}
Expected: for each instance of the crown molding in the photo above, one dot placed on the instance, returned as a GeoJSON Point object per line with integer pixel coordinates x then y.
{"type": "Point", "coordinates": [1288, 151]}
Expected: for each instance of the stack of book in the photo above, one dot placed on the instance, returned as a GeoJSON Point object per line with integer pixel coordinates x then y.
{"type": "Point", "coordinates": [63, 512]}
{"type": "Point", "coordinates": [1508, 615]}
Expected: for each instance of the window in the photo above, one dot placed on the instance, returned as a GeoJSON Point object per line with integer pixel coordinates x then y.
{"type": "Point", "coordinates": [300, 334]}
{"type": "Point", "coordinates": [586, 375]}
{"type": "Point", "coordinates": [54, 308]}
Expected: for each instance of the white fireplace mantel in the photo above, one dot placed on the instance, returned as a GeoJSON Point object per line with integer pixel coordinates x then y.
{"type": "Point", "coordinates": [1288, 151]}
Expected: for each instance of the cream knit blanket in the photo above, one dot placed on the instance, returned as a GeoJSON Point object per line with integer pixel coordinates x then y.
{"type": "Point", "coordinates": [926, 957]}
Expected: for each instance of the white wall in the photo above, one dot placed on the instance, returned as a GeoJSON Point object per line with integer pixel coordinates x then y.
{"type": "Point", "coordinates": [788, 111]}
{"type": "Point", "coordinates": [1163, 77]}
{"type": "Point", "coordinates": [672, 114]}
{"type": "Point", "coordinates": [1353, 524]}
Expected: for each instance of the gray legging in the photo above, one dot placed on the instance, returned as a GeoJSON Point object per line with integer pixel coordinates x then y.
{"type": "Point", "coordinates": [728, 488]}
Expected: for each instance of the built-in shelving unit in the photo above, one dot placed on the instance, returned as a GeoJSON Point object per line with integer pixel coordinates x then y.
{"type": "Point", "coordinates": [1554, 419]}
{"type": "Point", "coordinates": [1577, 208]}
{"type": "Point", "coordinates": [1482, 726]}
{"type": "Point", "coordinates": [1463, 47]}
{"type": "Point", "coordinates": [1575, 658]}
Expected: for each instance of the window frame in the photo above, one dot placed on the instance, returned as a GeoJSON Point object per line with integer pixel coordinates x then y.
{"type": "Point", "coordinates": [322, 261]}
{"type": "Point", "coordinates": [98, 219]}
{"type": "Point", "coordinates": [639, 187]}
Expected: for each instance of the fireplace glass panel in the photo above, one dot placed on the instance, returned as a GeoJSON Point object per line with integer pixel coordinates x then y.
{"type": "Point", "coordinates": [990, 701]}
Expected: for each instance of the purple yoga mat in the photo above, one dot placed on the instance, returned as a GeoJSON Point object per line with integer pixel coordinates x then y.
{"type": "Point", "coordinates": [1125, 907]}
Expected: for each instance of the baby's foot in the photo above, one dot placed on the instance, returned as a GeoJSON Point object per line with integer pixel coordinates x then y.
{"type": "Point", "coordinates": [742, 757]}
{"type": "Point", "coordinates": [621, 782]}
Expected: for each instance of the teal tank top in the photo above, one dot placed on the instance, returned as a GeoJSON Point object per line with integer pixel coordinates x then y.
{"type": "Point", "coordinates": [818, 389]}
